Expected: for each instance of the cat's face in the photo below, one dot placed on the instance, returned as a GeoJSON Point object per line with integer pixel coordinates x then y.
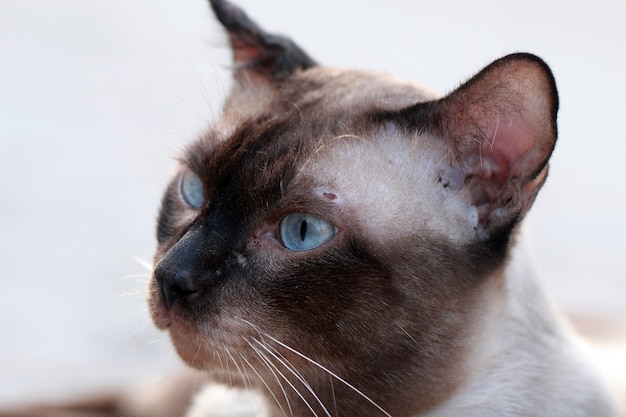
{"type": "Point", "coordinates": [345, 228]}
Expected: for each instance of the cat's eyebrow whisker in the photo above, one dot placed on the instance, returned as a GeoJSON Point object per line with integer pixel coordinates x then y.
{"type": "Point", "coordinates": [305, 163]}
{"type": "Point", "coordinates": [270, 368]}
{"type": "Point", "coordinates": [319, 146]}
{"type": "Point", "coordinates": [296, 390]}
{"type": "Point", "coordinates": [292, 369]}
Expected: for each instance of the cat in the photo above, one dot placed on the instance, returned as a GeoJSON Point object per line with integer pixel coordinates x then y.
{"type": "Point", "coordinates": [344, 243]}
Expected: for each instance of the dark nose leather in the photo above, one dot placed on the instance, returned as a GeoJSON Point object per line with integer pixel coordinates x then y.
{"type": "Point", "coordinates": [176, 285]}
{"type": "Point", "coordinates": [185, 270]}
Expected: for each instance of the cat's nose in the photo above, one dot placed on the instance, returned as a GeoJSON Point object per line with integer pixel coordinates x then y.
{"type": "Point", "coordinates": [185, 271]}
{"type": "Point", "coordinates": [176, 284]}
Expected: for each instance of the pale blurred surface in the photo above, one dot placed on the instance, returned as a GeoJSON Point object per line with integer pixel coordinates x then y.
{"type": "Point", "coordinates": [96, 98]}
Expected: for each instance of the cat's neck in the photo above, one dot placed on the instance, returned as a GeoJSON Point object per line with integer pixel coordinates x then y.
{"type": "Point", "coordinates": [527, 355]}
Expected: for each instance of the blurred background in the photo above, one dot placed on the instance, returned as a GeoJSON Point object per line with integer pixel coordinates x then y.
{"type": "Point", "coordinates": [97, 98]}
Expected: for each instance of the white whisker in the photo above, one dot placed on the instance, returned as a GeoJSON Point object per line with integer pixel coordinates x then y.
{"type": "Point", "coordinates": [228, 371]}
{"type": "Point", "coordinates": [280, 384]}
{"type": "Point", "coordinates": [142, 277]}
{"type": "Point", "coordinates": [285, 362]}
{"type": "Point", "coordinates": [132, 293]}
{"type": "Point", "coordinates": [273, 365]}
{"type": "Point", "coordinates": [242, 372]}
{"type": "Point", "coordinates": [320, 366]}
{"type": "Point", "coordinates": [219, 359]}
{"type": "Point", "coordinates": [195, 356]}
{"type": "Point", "coordinates": [144, 263]}
{"type": "Point", "coordinates": [332, 390]}
{"type": "Point", "coordinates": [266, 385]}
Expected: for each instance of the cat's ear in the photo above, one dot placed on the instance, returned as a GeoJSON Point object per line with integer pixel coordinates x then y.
{"type": "Point", "coordinates": [501, 130]}
{"type": "Point", "coordinates": [258, 56]}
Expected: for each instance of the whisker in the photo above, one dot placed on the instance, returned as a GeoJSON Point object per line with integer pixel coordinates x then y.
{"type": "Point", "coordinates": [223, 368]}
{"type": "Point", "coordinates": [285, 362]}
{"type": "Point", "coordinates": [280, 384]}
{"type": "Point", "coordinates": [265, 384]}
{"type": "Point", "coordinates": [228, 371]}
{"type": "Point", "coordinates": [332, 390]}
{"type": "Point", "coordinates": [273, 365]}
{"type": "Point", "coordinates": [131, 293]}
{"type": "Point", "coordinates": [236, 365]}
{"type": "Point", "coordinates": [137, 277]}
{"type": "Point", "coordinates": [219, 359]}
{"type": "Point", "coordinates": [143, 263]}
{"type": "Point", "coordinates": [322, 367]}
{"type": "Point", "coordinates": [195, 356]}
{"type": "Point", "coordinates": [243, 373]}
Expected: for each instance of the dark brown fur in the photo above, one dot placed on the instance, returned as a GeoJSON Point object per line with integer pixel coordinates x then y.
{"type": "Point", "coordinates": [393, 317]}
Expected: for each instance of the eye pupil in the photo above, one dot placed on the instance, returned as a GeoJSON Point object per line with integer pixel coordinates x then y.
{"type": "Point", "coordinates": [301, 232]}
{"type": "Point", "coordinates": [303, 226]}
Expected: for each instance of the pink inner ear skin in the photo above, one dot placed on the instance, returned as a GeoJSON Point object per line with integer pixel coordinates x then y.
{"type": "Point", "coordinates": [504, 165]}
{"type": "Point", "coordinates": [506, 155]}
{"type": "Point", "coordinates": [503, 126]}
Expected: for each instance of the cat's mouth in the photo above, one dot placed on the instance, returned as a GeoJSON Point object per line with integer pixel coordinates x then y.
{"type": "Point", "coordinates": [203, 340]}
{"type": "Point", "coordinates": [225, 345]}
{"type": "Point", "coordinates": [192, 341]}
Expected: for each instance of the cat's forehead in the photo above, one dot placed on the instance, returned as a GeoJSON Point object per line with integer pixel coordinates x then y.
{"type": "Point", "coordinates": [321, 95]}
{"type": "Point", "coordinates": [315, 136]}
{"type": "Point", "coordinates": [390, 184]}
{"type": "Point", "coordinates": [275, 128]}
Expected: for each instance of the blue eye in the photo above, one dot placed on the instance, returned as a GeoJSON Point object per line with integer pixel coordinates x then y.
{"type": "Point", "coordinates": [191, 189]}
{"type": "Point", "coordinates": [300, 231]}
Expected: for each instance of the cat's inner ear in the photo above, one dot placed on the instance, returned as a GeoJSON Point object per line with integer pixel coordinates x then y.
{"type": "Point", "coordinates": [500, 129]}
{"type": "Point", "coordinates": [258, 56]}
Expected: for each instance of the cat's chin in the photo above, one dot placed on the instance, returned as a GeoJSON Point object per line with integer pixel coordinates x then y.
{"type": "Point", "coordinates": [198, 348]}
{"type": "Point", "coordinates": [217, 343]}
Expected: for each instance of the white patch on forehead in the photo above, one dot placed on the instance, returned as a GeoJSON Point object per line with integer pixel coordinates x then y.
{"type": "Point", "coordinates": [392, 185]}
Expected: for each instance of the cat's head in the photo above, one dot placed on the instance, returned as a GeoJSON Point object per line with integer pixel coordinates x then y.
{"type": "Point", "coordinates": [344, 227]}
